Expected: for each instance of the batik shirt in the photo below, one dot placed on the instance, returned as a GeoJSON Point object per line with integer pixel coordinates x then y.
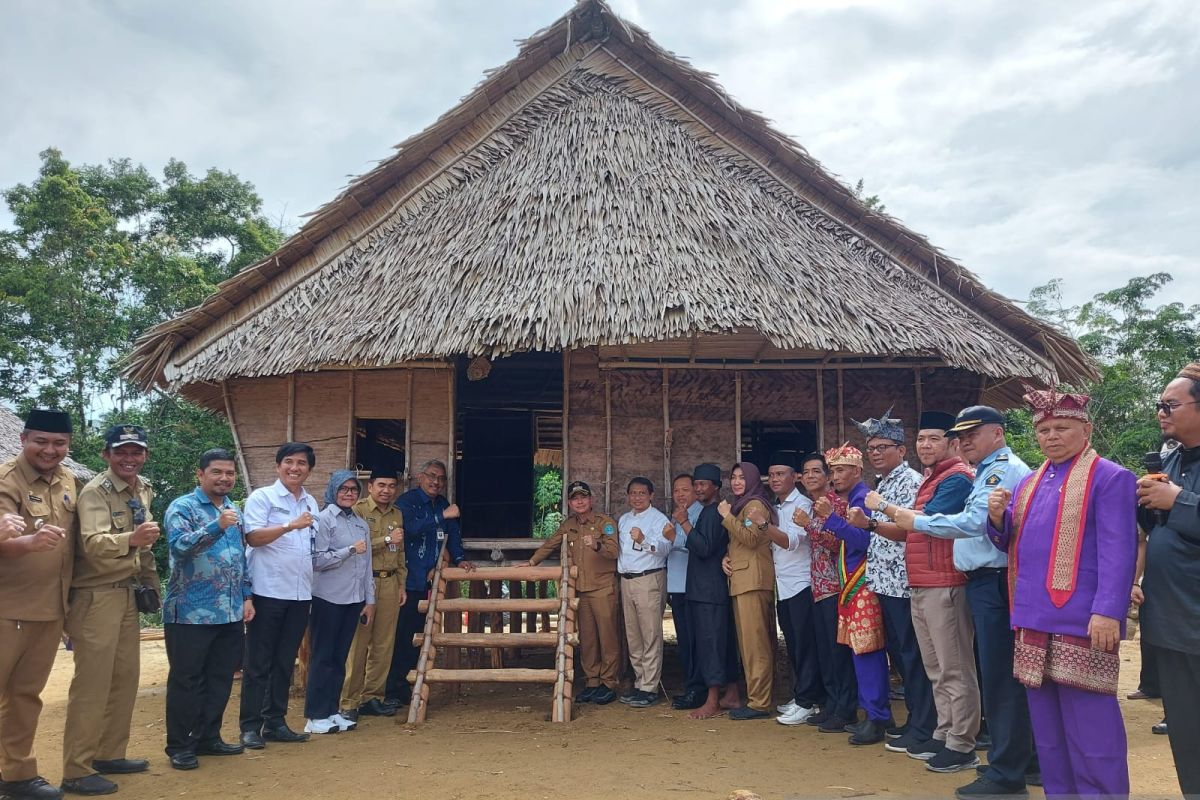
{"type": "Point", "coordinates": [208, 581]}
{"type": "Point", "coordinates": [886, 573]}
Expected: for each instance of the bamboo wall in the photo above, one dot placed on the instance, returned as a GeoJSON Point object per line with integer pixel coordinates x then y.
{"type": "Point", "coordinates": [317, 407]}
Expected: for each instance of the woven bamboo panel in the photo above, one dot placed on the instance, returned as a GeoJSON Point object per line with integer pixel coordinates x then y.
{"type": "Point", "coordinates": [869, 392]}
{"type": "Point", "coordinates": [431, 415]}
{"type": "Point", "coordinates": [322, 420]}
{"type": "Point", "coordinates": [381, 394]}
{"type": "Point", "coordinates": [949, 389]}
{"type": "Point", "coordinates": [260, 409]}
{"type": "Point", "coordinates": [775, 395]}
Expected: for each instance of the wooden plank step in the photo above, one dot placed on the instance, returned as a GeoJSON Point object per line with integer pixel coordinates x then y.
{"type": "Point", "coordinates": [495, 639]}
{"type": "Point", "coordinates": [515, 675]}
{"type": "Point", "coordinates": [504, 573]}
{"type": "Point", "coordinates": [497, 604]}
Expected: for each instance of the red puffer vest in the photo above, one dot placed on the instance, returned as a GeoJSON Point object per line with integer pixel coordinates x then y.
{"type": "Point", "coordinates": [930, 560]}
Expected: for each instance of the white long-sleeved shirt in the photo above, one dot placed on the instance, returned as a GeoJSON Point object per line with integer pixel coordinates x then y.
{"type": "Point", "coordinates": [282, 569]}
{"type": "Point", "coordinates": [655, 545]}
{"type": "Point", "coordinates": [793, 564]}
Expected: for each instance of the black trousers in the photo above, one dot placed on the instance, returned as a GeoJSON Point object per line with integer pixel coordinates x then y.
{"type": "Point", "coordinates": [1179, 677]}
{"type": "Point", "coordinates": [272, 639]}
{"type": "Point", "coordinates": [686, 637]}
{"type": "Point", "coordinates": [716, 662]}
{"type": "Point", "coordinates": [202, 661]}
{"type": "Point", "coordinates": [404, 655]}
{"type": "Point", "coordinates": [836, 661]}
{"type": "Point", "coordinates": [1148, 680]}
{"type": "Point", "coordinates": [331, 629]}
{"type": "Point", "coordinates": [918, 690]}
{"type": "Point", "coordinates": [796, 619]}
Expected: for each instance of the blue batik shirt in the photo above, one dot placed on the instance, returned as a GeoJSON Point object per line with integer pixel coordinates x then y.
{"type": "Point", "coordinates": [422, 518]}
{"type": "Point", "coordinates": [208, 581]}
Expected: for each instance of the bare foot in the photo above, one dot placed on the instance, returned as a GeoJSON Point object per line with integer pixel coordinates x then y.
{"type": "Point", "coordinates": [706, 711]}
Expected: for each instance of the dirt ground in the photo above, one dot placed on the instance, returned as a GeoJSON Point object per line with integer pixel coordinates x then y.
{"type": "Point", "coordinates": [496, 742]}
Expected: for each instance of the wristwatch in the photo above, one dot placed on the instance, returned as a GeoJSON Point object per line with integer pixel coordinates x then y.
{"type": "Point", "coordinates": [882, 507]}
{"type": "Point", "coordinates": [872, 525]}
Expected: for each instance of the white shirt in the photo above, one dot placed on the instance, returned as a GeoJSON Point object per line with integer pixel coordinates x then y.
{"type": "Point", "coordinates": [282, 569]}
{"type": "Point", "coordinates": [793, 564]}
{"type": "Point", "coordinates": [655, 545]}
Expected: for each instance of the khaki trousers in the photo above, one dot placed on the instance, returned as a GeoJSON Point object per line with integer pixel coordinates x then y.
{"type": "Point", "coordinates": [370, 656]}
{"type": "Point", "coordinates": [26, 657]}
{"type": "Point", "coordinates": [642, 601]}
{"type": "Point", "coordinates": [599, 638]}
{"type": "Point", "coordinates": [752, 615]}
{"type": "Point", "coordinates": [104, 631]}
{"type": "Point", "coordinates": [945, 634]}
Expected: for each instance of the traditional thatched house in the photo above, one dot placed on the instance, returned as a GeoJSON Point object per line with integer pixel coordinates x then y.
{"type": "Point", "coordinates": [597, 251]}
{"type": "Point", "coordinates": [10, 444]}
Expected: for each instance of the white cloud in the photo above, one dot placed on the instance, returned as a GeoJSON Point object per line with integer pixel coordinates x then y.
{"type": "Point", "coordinates": [1027, 140]}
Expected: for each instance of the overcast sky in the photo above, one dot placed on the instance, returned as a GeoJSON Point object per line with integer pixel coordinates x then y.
{"type": "Point", "coordinates": [1029, 140]}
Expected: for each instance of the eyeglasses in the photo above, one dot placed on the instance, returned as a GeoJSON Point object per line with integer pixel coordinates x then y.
{"type": "Point", "coordinates": [879, 448]}
{"type": "Point", "coordinates": [1167, 409]}
{"type": "Point", "coordinates": [435, 477]}
{"type": "Point", "coordinates": [348, 490]}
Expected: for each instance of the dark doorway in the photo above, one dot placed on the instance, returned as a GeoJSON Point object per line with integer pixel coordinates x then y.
{"type": "Point", "coordinates": [499, 404]}
{"type": "Point", "coordinates": [379, 444]}
{"type": "Point", "coordinates": [761, 439]}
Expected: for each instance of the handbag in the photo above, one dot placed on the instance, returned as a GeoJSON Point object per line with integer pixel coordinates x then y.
{"type": "Point", "coordinates": [146, 599]}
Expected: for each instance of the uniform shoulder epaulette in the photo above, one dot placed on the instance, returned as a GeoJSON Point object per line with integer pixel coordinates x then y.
{"type": "Point", "coordinates": [7, 467]}
{"type": "Point", "coordinates": [107, 485]}
{"type": "Point", "coordinates": [1002, 457]}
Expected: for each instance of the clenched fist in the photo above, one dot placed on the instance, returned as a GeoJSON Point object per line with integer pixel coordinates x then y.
{"type": "Point", "coordinates": [998, 502]}
{"type": "Point", "coordinates": [801, 517]}
{"type": "Point", "coordinates": [11, 525]}
{"type": "Point", "coordinates": [874, 500]}
{"type": "Point", "coordinates": [856, 517]}
{"type": "Point", "coordinates": [822, 507]}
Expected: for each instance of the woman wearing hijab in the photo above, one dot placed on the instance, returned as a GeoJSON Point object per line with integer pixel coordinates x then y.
{"type": "Point", "coordinates": [343, 591]}
{"type": "Point", "coordinates": [752, 584]}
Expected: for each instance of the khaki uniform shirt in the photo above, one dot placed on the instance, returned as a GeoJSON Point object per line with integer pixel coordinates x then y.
{"type": "Point", "coordinates": [33, 588]}
{"type": "Point", "coordinates": [749, 552]}
{"type": "Point", "coordinates": [385, 556]}
{"type": "Point", "coordinates": [103, 556]}
{"type": "Point", "coordinates": [597, 568]}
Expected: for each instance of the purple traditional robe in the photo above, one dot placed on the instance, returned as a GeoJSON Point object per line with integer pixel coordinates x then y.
{"type": "Point", "coordinates": [1097, 763]}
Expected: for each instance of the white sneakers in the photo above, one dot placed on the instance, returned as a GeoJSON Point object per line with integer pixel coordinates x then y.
{"type": "Point", "coordinates": [787, 708]}
{"type": "Point", "coordinates": [321, 726]}
{"type": "Point", "coordinates": [796, 715]}
{"type": "Point", "coordinates": [343, 723]}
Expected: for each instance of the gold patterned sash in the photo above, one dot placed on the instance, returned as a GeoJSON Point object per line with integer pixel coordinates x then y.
{"type": "Point", "coordinates": [1069, 525]}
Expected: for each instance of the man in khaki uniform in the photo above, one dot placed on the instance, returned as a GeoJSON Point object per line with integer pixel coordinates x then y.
{"type": "Point", "coordinates": [113, 554]}
{"type": "Point", "coordinates": [592, 540]}
{"type": "Point", "coordinates": [371, 653]}
{"type": "Point", "coordinates": [35, 574]}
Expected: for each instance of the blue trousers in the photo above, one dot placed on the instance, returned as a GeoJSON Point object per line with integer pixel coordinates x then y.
{"type": "Point", "coordinates": [685, 635]}
{"type": "Point", "coordinates": [836, 661]}
{"type": "Point", "coordinates": [902, 642]}
{"type": "Point", "coordinates": [1004, 700]}
{"type": "Point", "coordinates": [331, 632]}
{"type": "Point", "coordinates": [871, 669]}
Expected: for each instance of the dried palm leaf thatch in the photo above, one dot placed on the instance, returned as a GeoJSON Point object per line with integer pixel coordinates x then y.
{"type": "Point", "coordinates": [596, 190]}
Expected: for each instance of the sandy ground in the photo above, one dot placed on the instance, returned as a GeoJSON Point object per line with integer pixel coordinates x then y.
{"type": "Point", "coordinates": [496, 742]}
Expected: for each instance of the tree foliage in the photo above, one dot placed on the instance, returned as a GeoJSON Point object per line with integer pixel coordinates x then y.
{"type": "Point", "coordinates": [1139, 347]}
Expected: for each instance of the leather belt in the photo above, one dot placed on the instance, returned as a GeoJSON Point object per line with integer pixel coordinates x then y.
{"type": "Point", "coordinates": [631, 575]}
{"type": "Point", "coordinates": [385, 573]}
{"type": "Point", "coordinates": [983, 572]}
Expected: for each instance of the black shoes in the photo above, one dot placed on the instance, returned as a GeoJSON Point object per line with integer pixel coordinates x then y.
{"type": "Point", "coordinates": [894, 731]}
{"type": "Point", "coordinates": [952, 761]}
{"type": "Point", "coordinates": [89, 785]}
{"type": "Point", "coordinates": [351, 714]}
{"type": "Point", "coordinates": [253, 740]}
{"type": "Point", "coordinates": [603, 696]}
{"type": "Point", "coordinates": [587, 694]}
{"type": "Point", "coordinates": [986, 787]}
{"type": "Point", "coordinates": [282, 733]}
{"type": "Point", "coordinates": [689, 700]}
{"type": "Point", "coordinates": [746, 712]}
{"type": "Point", "coordinates": [1160, 728]}
{"type": "Point", "coordinates": [374, 708]}
{"type": "Point", "coordinates": [869, 731]}
{"type": "Point", "coordinates": [643, 699]}
{"type": "Point", "coordinates": [37, 788]}
{"type": "Point", "coordinates": [835, 724]}
{"type": "Point", "coordinates": [185, 760]}
{"type": "Point", "coordinates": [121, 766]}
{"type": "Point", "coordinates": [219, 748]}
{"type": "Point", "coordinates": [819, 717]}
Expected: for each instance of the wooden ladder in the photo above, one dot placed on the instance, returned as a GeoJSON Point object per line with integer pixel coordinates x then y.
{"type": "Point", "coordinates": [564, 640]}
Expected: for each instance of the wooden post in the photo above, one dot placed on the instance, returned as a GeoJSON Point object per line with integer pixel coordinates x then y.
{"type": "Point", "coordinates": [350, 425]}
{"type": "Point", "coordinates": [666, 424]}
{"type": "Point", "coordinates": [566, 426]}
{"type": "Point", "coordinates": [420, 691]}
{"type": "Point", "coordinates": [737, 415]}
{"type": "Point", "coordinates": [607, 442]}
{"type": "Point", "coordinates": [982, 388]}
{"type": "Point", "coordinates": [237, 441]}
{"type": "Point", "coordinates": [452, 381]}
{"type": "Point", "coordinates": [408, 425]}
{"type": "Point", "coordinates": [291, 418]}
{"type": "Point", "coordinates": [917, 391]}
{"type": "Point", "coordinates": [562, 681]}
{"type": "Point", "coordinates": [841, 410]}
{"type": "Point", "coordinates": [820, 410]}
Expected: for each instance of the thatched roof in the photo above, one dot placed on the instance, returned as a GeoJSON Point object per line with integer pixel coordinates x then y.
{"type": "Point", "coordinates": [597, 190]}
{"type": "Point", "coordinates": [10, 444]}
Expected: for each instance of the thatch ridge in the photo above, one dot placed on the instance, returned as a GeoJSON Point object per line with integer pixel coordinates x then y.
{"type": "Point", "coordinates": [999, 339]}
